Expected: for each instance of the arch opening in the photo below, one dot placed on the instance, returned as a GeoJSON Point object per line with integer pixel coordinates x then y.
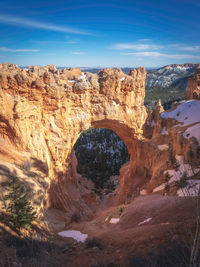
{"type": "Point", "coordinates": [100, 153]}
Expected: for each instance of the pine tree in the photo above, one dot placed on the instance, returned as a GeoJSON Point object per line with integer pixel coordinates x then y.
{"type": "Point", "coordinates": [20, 212]}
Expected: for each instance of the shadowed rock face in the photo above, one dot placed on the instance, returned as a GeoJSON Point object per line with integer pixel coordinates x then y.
{"type": "Point", "coordinates": [44, 110]}
{"type": "Point", "coordinates": [193, 86]}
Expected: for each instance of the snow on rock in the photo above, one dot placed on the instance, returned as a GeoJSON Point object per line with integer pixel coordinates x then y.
{"type": "Point", "coordinates": [145, 221]}
{"type": "Point", "coordinates": [164, 131]}
{"type": "Point", "coordinates": [191, 189]}
{"type": "Point", "coordinates": [151, 123]}
{"type": "Point", "coordinates": [163, 147]}
{"type": "Point", "coordinates": [159, 188]}
{"type": "Point", "coordinates": [77, 235]}
{"type": "Point", "coordinates": [71, 81]}
{"type": "Point", "coordinates": [114, 220]}
{"type": "Point", "coordinates": [183, 168]}
{"type": "Point", "coordinates": [186, 113]}
{"type": "Point", "coordinates": [175, 175]}
{"type": "Point", "coordinates": [193, 131]}
{"type": "Point", "coordinates": [123, 79]}
{"type": "Point", "coordinates": [83, 76]}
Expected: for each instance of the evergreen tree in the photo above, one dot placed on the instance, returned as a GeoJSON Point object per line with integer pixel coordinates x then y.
{"type": "Point", "coordinates": [20, 212]}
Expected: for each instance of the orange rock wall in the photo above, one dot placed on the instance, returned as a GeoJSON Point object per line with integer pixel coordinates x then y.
{"type": "Point", "coordinates": [193, 86]}
{"type": "Point", "coordinates": [44, 110]}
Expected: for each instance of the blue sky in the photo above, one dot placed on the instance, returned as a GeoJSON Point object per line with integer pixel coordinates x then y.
{"type": "Point", "coordinates": [112, 33]}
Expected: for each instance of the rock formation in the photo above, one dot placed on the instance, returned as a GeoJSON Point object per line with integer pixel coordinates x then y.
{"type": "Point", "coordinates": [193, 86]}
{"type": "Point", "coordinates": [44, 110]}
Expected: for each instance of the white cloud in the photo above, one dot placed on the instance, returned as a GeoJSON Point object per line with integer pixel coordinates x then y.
{"type": "Point", "coordinates": [39, 25]}
{"type": "Point", "coordinates": [158, 54]}
{"type": "Point", "coordinates": [6, 49]}
{"type": "Point", "coordinates": [143, 54]}
{"type": "Point", "coordinates": [45, 42]}
{"type": "Point", "coordinates": [78, 53]}
{"type": "Point", "coordinates": [125, 46]}
{"type": "Point", "coordinates": [145, 40]}
{"type": "Point", "coordinates": [192, 48]}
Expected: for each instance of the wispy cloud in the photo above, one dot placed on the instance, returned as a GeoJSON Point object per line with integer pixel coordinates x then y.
{"type": "Point", "coordinates": [78, 53]}
{"type": "Point", "coordinates": [145, 40]}
{"type": "Point", "coordinates": [46, 42]}
{"type": "Point", "coordinates": [192, 48]}
{"type": "Point", "coordinates": [6, 49]}
{"type": "Point", "coordinates": [157, 54]}
{"type": "Point", "coordinates": [127, 46]}
{"type": "Point", "coordinates": [7, 19]}
{"type": "Point", "coordinates": [143, 54]}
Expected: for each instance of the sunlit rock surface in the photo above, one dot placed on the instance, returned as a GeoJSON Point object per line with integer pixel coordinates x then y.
{"type": "Point", "coordinates": [44, 110]}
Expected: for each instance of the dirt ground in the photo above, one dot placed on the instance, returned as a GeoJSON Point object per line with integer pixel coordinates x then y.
{"type": "Point", "coordinates": [153, 230]}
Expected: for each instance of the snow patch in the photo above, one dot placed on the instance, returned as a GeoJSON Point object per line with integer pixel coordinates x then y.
{"type": "Point", "coordinates": [106, 219]}
{"type": "Point", "coordinates": [183, 168]}
{"type": "Point", "coordinates": [76, 235]}
{"type": "Point", "coordinates": [186, 113]}
{"type": "Point", "coordinates": [145, 221]}
{"type": "Point", "coordinates": [151, 123]}
{"type": "Point", "coordinates": [114, 220]}
{"type": "Point", "coordinates": [123, 79]}
{"type": "Point", "coordinates": [193, 131]}
{"type": "Point", "coordinates": [83, 76]}
{"type": "Point", "coordinates": [71, 81]}
{"type": "Point", "coordinates": [163, 147]}
{"type": "Point", "coordinates": [192, 188]}
{"type": "Point", "coordinates": [176, 175]}
{"type": "Point", "coordinates": [164, 131]}
{"type": "Point", "coordinates": [159, 188]}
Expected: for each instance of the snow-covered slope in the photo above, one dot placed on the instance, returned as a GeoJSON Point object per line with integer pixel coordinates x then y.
{"type": "Point", "coordinates": [171, 76]}
{"type": "Point", "coordinates": [188, 112]}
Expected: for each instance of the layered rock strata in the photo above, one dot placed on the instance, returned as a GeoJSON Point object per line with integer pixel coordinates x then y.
{"type": "Point", "coordinates": [44, 110]}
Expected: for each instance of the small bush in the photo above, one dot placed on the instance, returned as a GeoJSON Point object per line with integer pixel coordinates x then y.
{"type": "Point", "coordinates": [183, 181]}
{"type": "Point", "coordinates": [94, 242]}
{"type": "Point", "coordinates": [167, 188]}
{"type": "Point", "coordinates": [171, 158]}
{"type": "Point", "coordinates": [75, 217]}
{"type": "Point", "coordinates": [121, 209]}
{"type": "Point", "coordinates": [167, 177]}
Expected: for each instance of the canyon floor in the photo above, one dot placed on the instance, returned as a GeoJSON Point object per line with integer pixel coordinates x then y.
{"type": "Point", "coordinates": [152, 231]}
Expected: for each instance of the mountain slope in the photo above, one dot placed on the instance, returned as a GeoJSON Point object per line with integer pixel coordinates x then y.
{"type": "Point", "coordinates": [171, 76]}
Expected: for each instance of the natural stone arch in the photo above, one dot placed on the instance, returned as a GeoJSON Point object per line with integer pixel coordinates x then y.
{"type": "Point", "coordinates": [47, 109]}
